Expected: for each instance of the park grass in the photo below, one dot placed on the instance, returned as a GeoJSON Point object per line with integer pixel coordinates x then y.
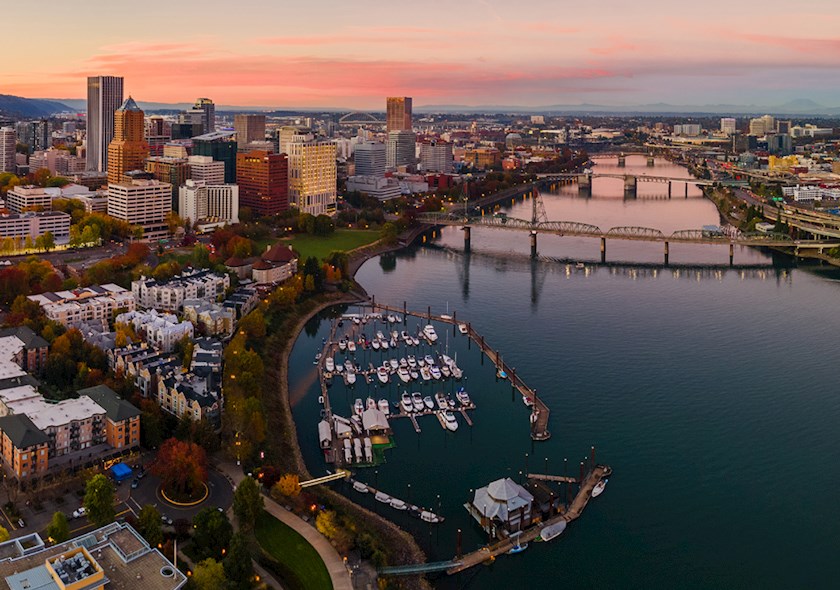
{"type": "Point", "coordinates": [341, 240]}
{"type": "Point", "coordinates": [295, 560]}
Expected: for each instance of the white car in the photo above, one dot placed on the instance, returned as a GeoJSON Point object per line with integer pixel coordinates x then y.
{"type": "Point", "coordinates": [79, 513]}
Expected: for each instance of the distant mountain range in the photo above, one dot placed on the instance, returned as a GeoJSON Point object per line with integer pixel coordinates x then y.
{"type": "Point", "coordinates": [30, 107]}
{"type": "Point", "coordinates": [41, 107]}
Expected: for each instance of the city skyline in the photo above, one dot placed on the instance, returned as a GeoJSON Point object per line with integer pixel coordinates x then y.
{"type": "Point", "coordinates": [617, 54]}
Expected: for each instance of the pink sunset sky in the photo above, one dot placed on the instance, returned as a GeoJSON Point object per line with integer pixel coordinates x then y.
{"type": "Point", "coordinates": [324, 53]}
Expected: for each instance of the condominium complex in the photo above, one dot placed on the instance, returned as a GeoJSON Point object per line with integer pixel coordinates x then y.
{"type": "Point", "coordinates": [145, 203]}
{"type": "Point", "coordinates": [370, 158]}
{"type": "Point", "coordinates": [8, 141]}
{"type": "Point", "coordinates": [207, 204]}
{"type": "Point", "coordinates": [128, 150]}
{"type": "Point", "coordinates": [312, 175]}
{"type": "Point", "coordinates": [169, 295]}
{"type": "Point", "coordinates": [398, 113]}
{"type": "Point", "coordinates": [105, 95]}
{"type": "Point", "coordinates": [206, 169]}
{"type": "Point", "coordinates": [400, 149]}
{"type": "Point", "coordinates": [248, 128]}
{"type": "Point", "coordinates": [189, 395]}
{"type": "Point", "coordinates": [160, 330]}
{"type": "Point", "coordinates": [96, 303]}
{"type": "Point", "coordinates": [263, 180]}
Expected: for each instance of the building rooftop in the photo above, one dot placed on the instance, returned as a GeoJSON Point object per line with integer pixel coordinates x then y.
{"type": "Point", "coordinates": [46, 415]}
{"type": "Point", "coordinates": [22, 431]}
{"type": "Point", "coordinates": [129, 105]}
{"type": "Point", "coordinates": [215, 136]}
{"type": "Point", "coordinates": [116, 408]}
{"type": "Point", "coordinates": [25, 334]}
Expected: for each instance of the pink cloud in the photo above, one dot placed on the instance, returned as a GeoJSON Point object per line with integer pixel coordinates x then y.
{"type": "Point", "coordinates": [815, 47]}
{"type": "Point", "coordinates": [615, 45]}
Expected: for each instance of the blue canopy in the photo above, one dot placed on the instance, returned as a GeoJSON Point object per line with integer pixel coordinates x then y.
{"type": "Point", "coordinates": [121, 471]}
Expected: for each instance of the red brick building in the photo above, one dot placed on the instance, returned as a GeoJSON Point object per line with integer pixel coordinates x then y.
{"type": "Point", "coordinates": [263, 180]}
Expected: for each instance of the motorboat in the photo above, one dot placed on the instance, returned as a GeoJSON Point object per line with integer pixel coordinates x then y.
{"type": "Point", "coordinates": [398, 318]}
{"type": "Point", "coordinates": [430, 403]}
{"type": "Point", "coordinates": [351, 346]}
{"type": "Point", "coordinates": [599, 488]}
{"type": "Point", "coordinates": [430, 334]}
{"type": "Point", "coordinates": [317, 358]}
{"type": "Point", "coordinates": [398, 504]}
{"type": "Point", "coordinates": [406, 403]}
{"type": "Point", "coordinates": [421, 362]}
{"type": "Point", "coordinates": [450, 421]}
{"type": "Point", "coordinates": [363, 489]}
{"type": "Point", "coordinates": [371, 403]}
{"type": "Point", "coordinates": [350, 378]}
{"type": "Point", "coordinates": [435, 371]}
{"type": "Point", "coordinates": [384, 407]}
{"type": "Point", "coordinates": [457, 373]}
{"type": "Point", "coordinates": [463, 397]}
{"type": "Point", "coordinates": [429, 360]}
{"type": "Point", "coordinates": [374, 344]}
{"type": "Point", "coordinates": [518, 548]}
{"type": "Point", "coordinates": [403, 363]}
{"type": "Point", "coordinates": [527, 401]}
{"type": "Point", "coordinates": [462, 328]}
{"type": "Point", "coordinates": [329, 364]}
{"type": "Point", "coordinates": [424, 372]}
{"type": "Point", "coordinates": [413, 374]}
{"type": "Point", "coordinates": [348, 364]}
{"type": "Point", "coordinates": [417, 402]}
{"type": "Point", "coordinates": [394, 342]}
{"type": "Point", "coordinates": [395, 364]}
{"type": "Point", "coordinates": [357, 449]}
{"type": "Point", "coordinates": [553, 530]}
{"type": "Point", "coordinates": [445, 360]}
{"type": "Point", "coordinates": [339, 368]}
{"type": "Point", "coordinates": [406, 337]}
{"type": "Point", "coordinates": [580, 266]}
{"type": "Point", "coordinates": [394, 335]}
{"type": "Point", "coordinates": [445, 371]}
{"type": "Point", "coordinates": [384, 344]}
{"type": "Point", "coordinates": [357, 321]}
{"type": "Point", "coordinates": [440, 398]}
{"type": "Point", "coordinates": [429, 517]}
{"type": "Point", "coordinates": [348, 454]}
{"type": "Point", "coordinates": [382, 374]}
{"type": "Point", "coordinates": [501, 374]}
{"type": "Point", "coordinates": [358, 406]}
{"type": "Point", "coordinates": [392, 319]}
{"type": "Point", "coordinates": [403, 374]}
{"type": "Point", "coordinates": [415, 341]}
{"type": "Point", "coordinates": [342, 345]}
{"type": "Point", "coordinates": [412, 362]}
{"type": "Point", "coordinates": [452, 403]}
{"type": "Point", "coordinates": [382, 497]}
{"type": "Point", "coordinates": [379, 335]}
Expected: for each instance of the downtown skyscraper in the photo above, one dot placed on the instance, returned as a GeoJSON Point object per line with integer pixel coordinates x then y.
{"type": "Point", "coordinates": [398, 113]}
{"type": "Point", "coordinates": [105, 95]}
{"type": "Point", "coordinates": [128, 150]}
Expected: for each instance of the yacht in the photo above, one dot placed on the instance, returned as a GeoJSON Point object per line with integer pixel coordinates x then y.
{"type": "Point", "coordinates": [450, 421]}
{"type": "Point", "coordinates": [415, 341]}
{"type": "Point", "coordinates": [342, 345]}
{"type": "Point", "coordinates": [463, 397]}
{"type": "Point", "coordinates": [430, 403]}
{"type": "Point", "coordinates": [599, 488]}
{"type": "Point", "coordinates": [362, 488]}
{"type": "Point", "coordinates": [384, 407]}
{"type": "Point", "coordinates": [424, 372]}
{"type": "Point", "coordinates": [457, 373]}
{"type": "Point", "coordinates": [358, 406]}
{"type": "Point", "coordinates": [395, 364]}
{"type": "Point", "coordinates": [371, 403]}
{"type": "Point", "coordinates": [421, 362]}
{"type": "Point", "coordinates": [382, 497]}
{"type": "Point", "coordinates": [403, 374]}
{"type": "Point", "coordinates": [417, 402]}
{"type": "Point", "coordinates": [406, 337]}
{"type": "Point", "coordinates": [446, 371]}
{"type": "Point", "coordinates": [431, 517]}
{"type": "Point", "coordinates": [429, 360]}
{"type": "Point", "coordinates": [382, 374]}
{"type": "Point", "coordinates": [413, 374]}
{"type": "Point", "coordinates": [435, 372]}
{"type": "Point", "coordinates": [398, 504]}
{"type": "Point", "coordinates": [329, 364]}
{"type": "Point", "coordinates": [462, 328]}
{"type": "Point", "coordinates": [406, 403]}
{"type": "Point", "coordinates": [375, 344]}
{"type": "Point", "coordinates": [445, 360]}
{"type": "Point", "coordinates": [412, 362]}
{"type": "Point", "coordinates": [350, 378]}
{"type": "Point", "coordinates": [351, 346]}
{"type": "Point", "coordinates": [553, 530]}
{"type": "Point", "coordinates": [430, 334]}
{"type": "Point", "coordinates": [440, 398]}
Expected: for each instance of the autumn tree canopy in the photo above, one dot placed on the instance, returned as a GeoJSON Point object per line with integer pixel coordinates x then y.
{"type": "Point", "coordinates": [181, 466]}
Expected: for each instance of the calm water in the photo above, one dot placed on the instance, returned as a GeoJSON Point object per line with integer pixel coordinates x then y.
{"type": "Point", "coordinates": [711, 393]}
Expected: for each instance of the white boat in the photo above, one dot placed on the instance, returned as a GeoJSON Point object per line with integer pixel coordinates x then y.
{"type": "Point", "coordinates": [518, 548]}
{"type": "Point", "coordinates": [394, 335]}
{"type": "Point", "coordinates": [382, 374]}
{"type": "Point", "coordinates": [358, 406]}
{"type": "Point", "coordinates": [430, 403]}
{"type": "Point", "coordinates": [424, 372]}
{"type": "Point", "coordinates": [392, 319]}
{"type": "Point", "coordinates": [371, 403]}
{"type": "Point", "coordinates": [412, 362]}
{"type": "Point", "coordinates": [339, 368]}
{"type": "Point", "coordinates": [362, 488]}
{"type": "Point", "coordinates": [463, 397]}
{"type": "Point", "coordinates": [350, 378]}
{"type": "Point", "coordinates": [329, 364]}
{"type": "Point", "coordinates": [395, 364]}
{"type": "Point", "coordinates": [406, 403]}
{"type": "Point", "coordinates": [398, 504]}
{"type": "Point", "coordinates": [357, 321]}
{"type": "Point", "coordinates": [398, 318]}
{"type": "Point", "coordinates": [415, 341]}
{"type": "Point", "coordinates": [440, 398]}
{"type": "Point", "coordinates": [446, 371]}
{"type": "Point", "coordinates": [351, 346]}
{"type": "Point", "coordinates": [553, 530]}
{"type": "Point", "coordinates": [429, 360]}
{"type": "Point", "coordinates": [429, 517]}
{"type": "Point", "coordinates": [445, 360]}
{"type": "Point", "coordinates": [384, 406]}
{"type": "Point", "coordinates": [599, 488]}
{"type": "Point", "coordinates": [374, 344]}
{"type": "Point", "coordinates": [403, 362]}
{"type": "Point", "coordinates": [348, 364]}
{"type": "Point", "coordinates": [435, 372]}
{"type": "Point", "coordinates": [457, 373]}
{"type": "Point", "coordinates": [527, 401]}
{"type": "Point", "coordinates": [382, 497]}
{"type": "Point", "coordinates": [383, 344]}
{"type": "Point", "coordinates": [357, 449]}
{"type": "Point", "coordinates": [348, 454]}
{"type": "Point", "coordinates": [403, 374]}
{"type": "Point", "coordinates": [394, 342]}
{"type": "Point", "coordinates": [413, 374]}
{"type": "Point", "coordinates": [342, 345]}
{"type": "Point", "coordinates": [462, 328]}
{"type": "Point", "coordinates": [417, 402]}
{"type": "Point", "coordinates": [450, 420]}
{"type": "Point", "coordinates": [421, 362]}
{"type": "Point", "coordinates": [430, 334]}
{"type": "Point", "coordinates": [406, 337]}
{"type": "Point", "coordinates": [379, 335]}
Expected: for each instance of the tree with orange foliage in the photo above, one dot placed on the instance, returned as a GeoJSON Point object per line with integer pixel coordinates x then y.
{"type": "Point", "coordinates": [181, 466]}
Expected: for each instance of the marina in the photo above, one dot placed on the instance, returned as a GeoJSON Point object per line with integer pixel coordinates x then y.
{"type": "Point", "coordinates": [424, 514]}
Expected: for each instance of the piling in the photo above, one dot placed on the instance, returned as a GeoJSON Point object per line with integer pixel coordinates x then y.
{"type": "Point", "coordinates": [603, 250]}
{"type": "Point", "coordinates": [666, 253]}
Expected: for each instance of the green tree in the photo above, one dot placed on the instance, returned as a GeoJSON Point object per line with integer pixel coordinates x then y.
{"type": "Point", "coordinates": [148, 522]}
{"type": "Point", "coordinates": [99, 500]}
{"type": "Point", "coordinates": [324, 225]}
{"type": "Point", "coordinates": [389, 233]}
{"type": "Point", "coordinates": [247, 503]}
{"type": "Point", "coordinates": [58, 530]}
{"type": "Point", "coordinates": [45, 241]}
{"type": "Point", "coordinates": [238, 566]}
{"type": "Point", "coordinates": [212, 533]}
{"type": "Point", "coordinates": [209, 575]}
{"type": "Point", "coordinates": [306, 223]}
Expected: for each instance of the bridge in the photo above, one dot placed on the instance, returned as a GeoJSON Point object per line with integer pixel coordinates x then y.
{"type": "Point", "coordinates": [358, 119]}
{"type": "Point", "coordinates": [631, 181]}
{"type": "Point", "coordinates": [340, 474]}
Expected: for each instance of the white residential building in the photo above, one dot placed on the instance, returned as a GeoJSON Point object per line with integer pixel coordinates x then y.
{"type": "Point", "coordinates": [170, 295]}
{"type": "Point", "coordinates": [161, 331]}
{"type": "Point", "coordinates": [96, 303]}
{"type": "Point", "coordinates": [728, 125]}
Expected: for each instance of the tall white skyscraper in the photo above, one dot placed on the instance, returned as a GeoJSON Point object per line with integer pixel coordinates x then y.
{"type": "Point", "coordinates": [728, 125]}
{"type": "Point", "coordinates": [370, 159]}
{"type": "Point", "coordinates": [105, 95]}
{"type": "Point", "coordinates": [8, 141]}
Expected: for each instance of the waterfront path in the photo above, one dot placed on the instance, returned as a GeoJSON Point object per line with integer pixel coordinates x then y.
{"type": "Point", "coordinates": [335, 564]}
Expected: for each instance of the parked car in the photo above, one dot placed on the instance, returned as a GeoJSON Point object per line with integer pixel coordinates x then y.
{"type": "Point", "coordinates": [135, 482]}
{"type": "Point", "coordinates": [79, 513]}
{"type": "Point", "coordinates": [20, 523]}
{"type": "Point", "coordinates": [165, 519]}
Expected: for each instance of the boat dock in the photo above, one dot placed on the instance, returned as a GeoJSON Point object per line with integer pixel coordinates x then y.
{"type": "Point", "coordinates": [380, 496]}
{"type": "Point", "coordinates": [539, 410]}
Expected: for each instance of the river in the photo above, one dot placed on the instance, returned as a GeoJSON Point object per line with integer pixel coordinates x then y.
{"type": "Point", "coordinates": [711, 392]}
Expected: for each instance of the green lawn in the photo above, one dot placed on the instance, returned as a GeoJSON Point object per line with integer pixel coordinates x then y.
{"type": "Point", "coordinates": [300, 565]}
{"type": "Point", "coordinates": [341, 239]}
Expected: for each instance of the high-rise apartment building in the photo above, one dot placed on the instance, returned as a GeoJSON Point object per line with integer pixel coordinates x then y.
{"type": "Point", "coordinates": [312, 175]}
{"type": "Point", "coordinates": [728, 125]}
{"type": "Point", "coordinates": [174, 171]}
{"type": "Point", "coordinates": [198, 201]}
{"type": "Point", "coordinates": [145, 203]}
{"type": "Point", "coordinates": [400, 149]}
{"type": "Point", "coordinates": [128, 150]}
{"type": "Point", "coordinates": [206, 169]}
{"type": "Point", "coordinates": [221, 146]}
{"type": "Point", "coordinates": [34, 134]}
{"type": "Point", "coordinates": [8, 141]}
{"type": "Point", "coordinates": [209, 109]}
{"type": "Point", "coordinates": [289, 133]}
{"type": "Point", "coordinates": [398, 113]}
{"type": "Point", "coordinates": [248, 128]}
{"type": "Point", "coordinates": [263, 180]}
{"type": "Point", "coordinates": [105, 95]}
{"type": "Point", "coordinates": [370, 159]}
{"type": "Point", "coordinates": [436, 156]}
{"type": "Point", "coordinates": [158, 134]}
{"type": "Point", "coordinates": [761, 126]}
